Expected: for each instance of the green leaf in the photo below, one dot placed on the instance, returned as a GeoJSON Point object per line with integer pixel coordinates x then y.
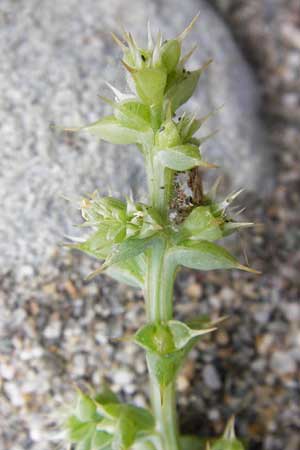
{"type": "Point", "coordinates": [150, 84]}
{"type": "Point", "coordinates": [167, 344]}
{"type": "Point", "coordinates": [106, 396]}
{"type": "Point", "coordinates": [111, 130]}
{"type": "Point", "coordinates": [128, 420]}
{"type": "Point", "coordinates": [96, 245]}
{"type": "Point", "coordinates": [168, 135]}
{"type": "Point", "coordinates": [201, 224]}
{"type": "Point", "coordinates": [155, 337]}
{"type": "Point", "coordinates": [85, 409]}
{"type": "Point", "coordinates": [182, 87]}
{"type": "Point", "coordinates": [130, 272]}
{"type": "Point", "coordinates": [110, 410]}
{"type": "Point", "coordinates": [203, 255]}
{"type": "Point", "coordinates": [141, 417]}
{"type": "Point", "coordinates": [78, 430]}
{"type": "Point", "coordinates": [165, 367]}
{"type": "Point", "coordinates": [125, 433]}
{"type": "Point", "coordinates": [85, 444]}
{"type": "Point", "coordinates": [227, 444]}
{"type": "Point", "coordinates": [133, 114]}
{"type": "Point", "coordinates": [181, 157]}
{"type": "Point", "coordinates": [129, 248]}
{"type": "Point", "coordinates": [198, 322]}
{"type": "Point", "coordinates": [170, 54]}
{"type": "Point", "coordinates": [101, 440]}
{"type": "Point", "coordinates": [192, 443]}
{"type": "Point", "coordinates": [183, 334]}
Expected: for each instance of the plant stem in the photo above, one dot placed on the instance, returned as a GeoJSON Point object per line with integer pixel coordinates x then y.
{"type": "Point", "coordinates": [165, 414]}
{"type": "Point", "coordinates": [159, 306]}
{"type": "Point", "coordinates": [159, 185]}
{"type": "Point", "coordinates": [159, 298]}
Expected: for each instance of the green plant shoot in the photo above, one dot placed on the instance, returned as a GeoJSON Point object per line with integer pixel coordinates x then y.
{"type": "Point", "coordinates": [144, 245]}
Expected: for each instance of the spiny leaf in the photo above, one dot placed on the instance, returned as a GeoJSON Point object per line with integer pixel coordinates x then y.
{"type": "Point", "coordinates": [204, 255]}
{"type": "Point", "coordinates": [111, 130]}
{"type": "Point", "coordinates": [150, 85]}
{"type": "Point", "coordinates": [130, 272]}
{"type": "Point", "coordinates": [85, 408]}
{"type": "Point", "coordinates": [182, 157]}
{"type": "Point", "coordinates": [129, 248]}
{"type": "Point", "coordinates": [192, 443]}
{"type": "Point", "coordinates": [183, 85]}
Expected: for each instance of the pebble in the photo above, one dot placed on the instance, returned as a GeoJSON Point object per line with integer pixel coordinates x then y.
{"type": "Point", "coordinates": [283, 363]}
{"type": "Point", "coordinates": [7, 371]}
{"type": "Point", "coordinates": [211, 377]}
{"type": "Point", "coordinates": [122, 377]}
{"type": "Point", "coordinates": [182, 383]}
{"type": "Point", "coordinates": [194, 291]}
{"type": "Point", "coordinates": [79, 365]}
{"type": "Point", "coordinates": [13, 392]}
{"type": "Point", "coordinates": [53, 330]}
{"type": "Point", "coordinates": [227, 295]}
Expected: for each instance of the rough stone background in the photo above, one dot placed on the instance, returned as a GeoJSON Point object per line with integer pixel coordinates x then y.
{"type": "Point", "coordinates": [55, 327]}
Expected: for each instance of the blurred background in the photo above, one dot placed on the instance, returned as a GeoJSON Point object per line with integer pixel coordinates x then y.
{"type": "Point", "coordinates": [58, 329]}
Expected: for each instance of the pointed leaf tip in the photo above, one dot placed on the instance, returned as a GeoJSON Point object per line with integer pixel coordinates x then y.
{"type": "Point", "coordinates": [96, 272]}
{"type": "Point", "coordinates": [127, 67]}
{"type": "Point", "coordinates": [248, 269]}
{"type": "Point", "coordinates": [188, 29]}
{"type": "Point", "coordinates": [118, 41]}
{"type": "Point", "coordinates": [229, 432]}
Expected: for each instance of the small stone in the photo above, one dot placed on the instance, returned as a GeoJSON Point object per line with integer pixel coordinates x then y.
{"type": "Point", "coordinates": [291, 311]}
{"type": "Point", "coordinates": [25, 271]}
{"type": "Point", "coordinates": [7, 371]}
{"type": "Point", "coordinates": [182, 383]}
{"type": "Point", "coordinates": [71, 289]}
{"type": "Point", "coordinates": [214, 414]}
{"type": "Point", "coordinates": [227, 295]}
{"type": "Point", "coordinates": [79, 365]}
{"type": "Point", "coordinates": [283, 363]}
{"type": "Point", "coordinates": [291, 35]}
{"type": "Point", "coordinates": [53, 330]}
{"type": "Point", "coordinates": [222, 337]}
{"type": "Point", "coordinates": [194, 291]}
{"type": "Point", "coordinates": [264, 343]}
{"type": "Point", "coordinates": [49, 288]}
{"type": "Point", "coordinates": [122, 377]}
{"type": "Point", "coordinates": [12, 391]}
{"type": "Point", "coordinates": [211, 377]}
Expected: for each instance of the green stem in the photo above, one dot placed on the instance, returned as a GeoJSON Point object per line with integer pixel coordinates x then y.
{"type": "Point", "coordinates": [159, 298]}
{"type": "Point", "coordinates": [159, 185]}
{"type": "Point", "coordinates": [159, 306]}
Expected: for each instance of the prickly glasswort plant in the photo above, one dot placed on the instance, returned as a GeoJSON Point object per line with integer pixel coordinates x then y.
{"type": "Point", "coordinates": [145, 245]}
